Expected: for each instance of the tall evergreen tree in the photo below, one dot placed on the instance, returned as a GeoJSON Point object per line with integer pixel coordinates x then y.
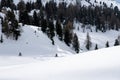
{"type": "Point", "coordinates": [88, 42]}
{"type": "Point", "coordinates": [44, 25]}
{"type": "Point", "coordinates": [107, 44]}
{"type": "Point", "coordinates": [1, 40]}
{"type": "Point", "coordinates": [10, 15]}
{"type": "Point", "coordinates": [51, 32]}
{"type": "Point", "coordinates": [116, 42]}
{"type": "Point", "coordinates": [38, 4]}
{"type": "Point", "coordinates": [76, 43]}
{"type": "Point", "coordinates": [96, 47]}
{"type": "Point", "coordinates": [59, 30]}
{"type": "Point", "coordinates": [28, 6]}
{"type": "Point", "coordinates": [15, 29]}
{"type": "Point", "coordinates": [21, 6]}
{"type": "Point", "coordinates": [3, 3]}
{"type": "Point", "coordinates": [24, 17]}
{"type": "Point", "coordinates": [67, 36]}
{"type": "Point", "coordinates": [20, 54]}
{"type": "Point", "coordinates": [5, 27]}
{"type": "Point", "coordinates": [36, 20]}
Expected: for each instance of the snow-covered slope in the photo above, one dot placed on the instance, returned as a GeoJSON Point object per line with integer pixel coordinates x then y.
{"type": "Point", "coordinates": [99, 37]}
{"type": "Point", "coordinates": [33, 44]}
{"type": "Point", "coordinates": [38, 44]}
{"type": "Point", "coordinates": [95, 65]}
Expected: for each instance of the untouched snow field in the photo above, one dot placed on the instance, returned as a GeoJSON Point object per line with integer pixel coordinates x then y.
{"type": "Point", "coordinates": [102, 64]}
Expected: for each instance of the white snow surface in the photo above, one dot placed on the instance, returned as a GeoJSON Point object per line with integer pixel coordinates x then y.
{"type": "Point", "coordinates": [102, 64]}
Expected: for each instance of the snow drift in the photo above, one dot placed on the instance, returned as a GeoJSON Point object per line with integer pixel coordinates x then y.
{"type": "Point", "coordinates": [95, 65]}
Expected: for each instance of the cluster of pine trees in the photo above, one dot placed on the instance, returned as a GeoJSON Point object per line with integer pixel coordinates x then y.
{"type": "Point", "coordinates": [10, 26]}
{"type": "Point", "coordinates": [88, 42]}
{"type": "Point", "coordinates": [58, 20]}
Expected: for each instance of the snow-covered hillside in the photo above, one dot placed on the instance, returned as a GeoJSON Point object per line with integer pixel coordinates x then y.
{"type": "Point", "coordinates": [38, 54]}
{"type": "Point", "coordinates": [99, 37]}
{"type": "Point", "coordinates": [33, 43]}
{"type": "Point", "coordinates": [95, 65]}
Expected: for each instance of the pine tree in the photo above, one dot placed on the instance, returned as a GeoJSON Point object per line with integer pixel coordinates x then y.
{"type": "Point", "coordinates": [67, 36]}
{"type": "Point", "coordinates": [15, 29]}
{"type": "Point", "coordinates": [3, 3]}
{"type": "Point", "coordinates": [9, 3]}
{"type": "Point", "coordinates": [44, 25]}
{"type": "Point", "coordinates": [20, 54]}
{"type": "Point", "coordinates": [116, 42]}
{"type": "Point", "coordinates": [21, 6]}
{"type": "Point", "coordinates": [107, 44]}
{"type": "Point", "coordinates": [5, 27]}
{"type": "Point", "coordinates": [76, 43]}
{"type": "Point", "coordinates": [50, 32]}
{"type": "Point", "coordinates": [28, 6]}
{"type": "Point", "coordinates": [36, 20]}
{"type": "Point", "coordinates": [24, 17]}
{"type": "Point", "coordinates": [10, 15]}
{"type": "Point", "coordinates": [1, 40]}
{"type": "Point", "coordinates": [88, 42]}
{"type": "Point", "coordinates": [96, 47]}
{"type": "Point", "coordinates": [56, 55]}
{"type": "Point", "coordinates": [68, 33]}
{"type": "Point", "coordinates": [59, 30]}
{"type": "Point", "coordinates": [38, 4]}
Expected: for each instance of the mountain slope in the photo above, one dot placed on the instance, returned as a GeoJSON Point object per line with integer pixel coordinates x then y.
{"type": "Point", "coordinates": [95, 65]}
{"type": "Point", "coordinates": [33, 43]}
{"type": "Point", "coordinates": [99, 37]}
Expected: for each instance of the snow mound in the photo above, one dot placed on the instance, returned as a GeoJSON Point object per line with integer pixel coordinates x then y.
{"type": "Point", "coordinates": [95, 65]}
